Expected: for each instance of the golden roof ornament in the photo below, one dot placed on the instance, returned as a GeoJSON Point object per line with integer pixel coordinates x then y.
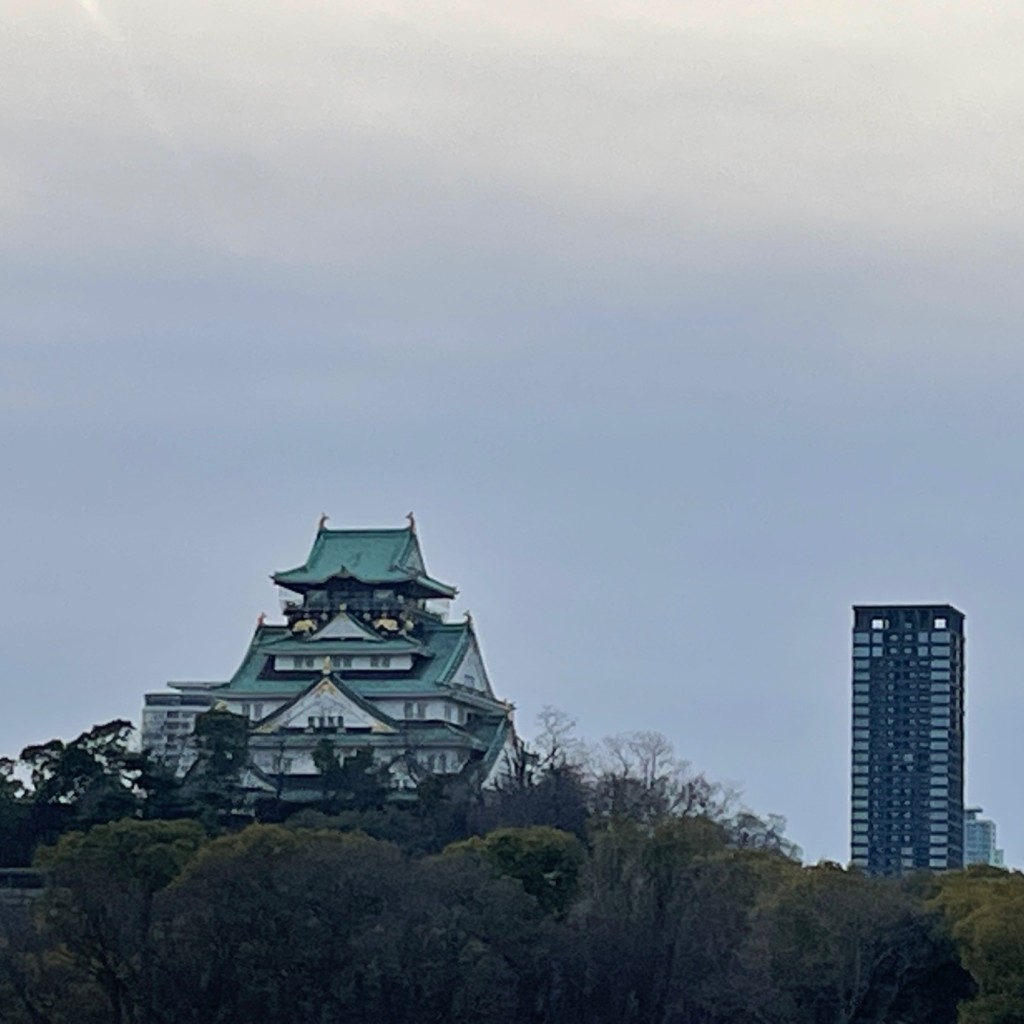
{"type": "Point", "coordinates": [323, 521]}
{"type": "Point", "coordinates": [261, 620]}
{"type": "Point", "coordinates": [411, 519]}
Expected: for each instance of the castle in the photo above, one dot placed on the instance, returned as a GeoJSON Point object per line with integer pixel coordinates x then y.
{"type": "Point", "coordinates": [366, 659]}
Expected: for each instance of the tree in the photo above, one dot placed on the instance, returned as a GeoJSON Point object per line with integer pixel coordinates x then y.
{"type": "Point", "coordinates": [39, 984]}
{"type": "Point", "coordinates": [638, 775]}
{"type": "Point", "coordinates": [88, 780]}
{"type": "Point", "coordinates": [547, 861]}
{"type": "Point", "coordinates": [833, 947]}
{"type": "Point", "coordinates": [98, 905]}
{"type": "Point", "coordinates": [751, 832]}
{"type": "Point", "coordinates": [543, 784]}
{"type": "Point", "coordinates": [984, 907]}
{"type": "Point", "coordinates": [16, 839]}
{"type": "Point", "coordinates": [662, 915]}
{"type": "Point", "coordinates": [325, 760]}
{"type": "Point", "coordinates": [276, 924]}
{"type": "Point", "coordinates": [222, 752]}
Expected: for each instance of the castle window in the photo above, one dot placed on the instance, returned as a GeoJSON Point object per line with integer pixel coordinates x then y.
{"type": "Point", "coordinates": [346, 661]}
{"type": "Point", "coordinates": [257, 711]}
{"type": "Point", "coordinates": [408, 710]}
{"type": "Point", "coordinates": [442, 762]}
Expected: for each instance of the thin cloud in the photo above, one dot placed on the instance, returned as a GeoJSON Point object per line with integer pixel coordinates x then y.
{"type": "Point", "coordinates": [884, 128]}
{"type": "Point", "coordinates": [103, 24]}
{"type": "Point", "coordinates": [143, 96]}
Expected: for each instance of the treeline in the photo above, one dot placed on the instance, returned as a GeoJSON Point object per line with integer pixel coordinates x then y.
{"type": "Point", "coordinates": [56, 787]}
{"type": "Point", "coordinates": [597, 886]}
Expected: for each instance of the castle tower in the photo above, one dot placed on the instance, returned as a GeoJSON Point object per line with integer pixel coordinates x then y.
{"type": "Point", "coordinates": [364, 656]}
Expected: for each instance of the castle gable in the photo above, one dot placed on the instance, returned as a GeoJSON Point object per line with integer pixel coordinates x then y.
{"type": "Point", "coordinates": [344, 627]}
{"type": "Point", "coordinates": [469, 670]}
{"type": "Point", "coordinates": [327, 704]}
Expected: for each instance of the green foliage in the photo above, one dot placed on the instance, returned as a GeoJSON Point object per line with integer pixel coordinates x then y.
{"type": "Point", "coordinates": [147, 921]}
{"type": "Point", "coordinates": [211, 786]}
{"type": "Point", "coordinates": [623, 889]}
{"type": "Point", "coordinates": [545, 860]}
{"type": "Point", "coordinates": [16, 841]}
{"type": "Point", "coordinates": [97, 912]}
{"type": "Point", "coordinates": [278, 924]}
{"type": "Point", "coordinates": [222, 741]}
{"type": "Point", "coordinates": [841, 947]}
{"type": "Point", "coordinates": [985, 909]}
{"type": "Point", "coordinates": [146, 854]}
{"type": "Point", "coordinates": [88, 780]}
{"type": "Point", "coordinates": [660, 928]}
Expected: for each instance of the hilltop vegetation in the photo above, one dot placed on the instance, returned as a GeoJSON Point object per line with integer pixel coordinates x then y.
{"type": "Point", "coordinates": [611, 888]}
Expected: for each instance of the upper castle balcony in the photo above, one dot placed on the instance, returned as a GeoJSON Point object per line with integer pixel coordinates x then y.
{"type": "Point", "coordinates": [364, 600]}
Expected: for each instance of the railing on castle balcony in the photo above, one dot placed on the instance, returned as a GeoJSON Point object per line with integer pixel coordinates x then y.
{"type": "Point", "coordinates": [436, 608]}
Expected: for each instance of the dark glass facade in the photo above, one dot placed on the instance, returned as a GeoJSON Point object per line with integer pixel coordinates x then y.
{"type": "Point", "coordinates": [907, 757]}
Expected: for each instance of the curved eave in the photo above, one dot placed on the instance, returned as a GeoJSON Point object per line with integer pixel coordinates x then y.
{"type": "Point", "coordinates": [312, 647]}
{"type": "Point", "coordinates": [497, 747]}
{"type": "Point", "coordinates": [414, 586]}
{"type": "Point", "coordinates": [437, 588]}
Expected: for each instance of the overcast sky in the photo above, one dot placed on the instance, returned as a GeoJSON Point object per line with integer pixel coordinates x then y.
{"type": "Point", "coordinates": [681, 326]}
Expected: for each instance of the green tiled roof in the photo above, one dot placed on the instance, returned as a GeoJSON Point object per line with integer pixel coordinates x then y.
{"type": "Point", "coordinates": [435, 733]}
{"type": "Point", "coordinates": [312, 648]}
{"type": "Point", "coordinates": [445, 643]}
{"type": "Point", "coordinates": [370, 556]}
{"type": "Point", "coordinates": [497, 745]}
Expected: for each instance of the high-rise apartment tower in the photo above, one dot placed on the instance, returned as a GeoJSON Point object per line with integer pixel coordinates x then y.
{"type": "Point", "coordinates": [907, 770]}
{"type": "Point", "coordinates": [980, 839]}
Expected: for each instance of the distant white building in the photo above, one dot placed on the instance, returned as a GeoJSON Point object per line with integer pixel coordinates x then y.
{"type": "Point", "coordinates": [980, 839]}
